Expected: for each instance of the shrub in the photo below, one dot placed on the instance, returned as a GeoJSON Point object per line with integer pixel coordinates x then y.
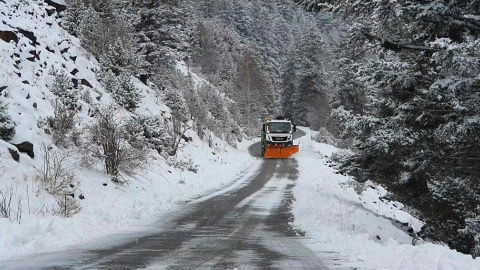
{"type": "Point", "coordinates": [155, 132]}
{"type": "Point", "coordinates": [6, 203]}
{"type": "Point", "coordinates": [63, 88]}
{"type": "Point", "coordinates": [54, 174]}
{"type": "Point", "coordinates": [110, 142]}
{"type": "Point", "coordinates": [62, 122]}
{"type": "Point", "coordinates": [66, 206]}
{"type": "Point", "coordinates": [7, 127]}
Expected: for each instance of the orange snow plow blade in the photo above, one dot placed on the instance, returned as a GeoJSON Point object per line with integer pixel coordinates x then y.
{"type": "Point", "coordinates": [273, 151]}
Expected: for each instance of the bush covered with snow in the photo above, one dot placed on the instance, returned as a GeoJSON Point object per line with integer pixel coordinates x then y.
{"type": "Point", "coordinates": [7, 127]}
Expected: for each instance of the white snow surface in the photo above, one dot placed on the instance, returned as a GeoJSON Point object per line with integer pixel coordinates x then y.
{"type": "Point", "coordinates": [343, 226]}
{"type": "Point", "coordinates": [106, 210]}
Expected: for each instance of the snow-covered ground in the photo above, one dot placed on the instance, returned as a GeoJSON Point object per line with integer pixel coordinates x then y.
{"type": "Point", "coordinates": [40, 45]}
{"type": "Point", "coordinates": [354, 230]}
{"type": "Point", "coordinates": [116, 209]}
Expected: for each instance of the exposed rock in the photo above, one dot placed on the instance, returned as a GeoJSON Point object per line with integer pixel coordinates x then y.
{"type": "Point", "coordinates": [29, 35]}
{"type": "Point", "coordinates": [74, 72]}
{"type": "Point", "coordinates": [47, 131]}
{"type": "Point", "coordinates": [28, 96]}
{"type": "Point", "coordinates": [25, 82]}
{"type": "Point", "coordinates": [81, 197]}
{"type": "Point", "coordinates": [35, 54]}
{"type": "Point", "coordinates": [8, 36]}
{"type": "Point", "coordinates": [27, 148]}
{"type": "Point", "coordinates": [50, 50]}
{"type": "Point", "coordinates": [144, 78]}
{"type": "Point", "coordinates": [75, 82]}
{"type": "Point", "coordinates": [51, 11]}
{"type": "Point", "coordinates": [74, 58]}
{"type": "Point", "coordinates": [58, 5]}
{"type": "Point", "coordinates": [187, 139]}
{"type": "Point", "coordinates": [86, 83]}
{"type": "Point", "coordinates": [14, 154]}
{"type": "Point", "coordinates": [35, 105]}
{"type": "Point", "coordinates": [65, 50]}
{"type": "Point", "coordinates": [3, 88]}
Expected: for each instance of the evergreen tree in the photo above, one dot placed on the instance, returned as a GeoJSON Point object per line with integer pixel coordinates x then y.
{"type": "Point", "coordinates": [63, 88]}
{"type": "Point", "coordinates": [176, 102]}
{"type": "Point", "coordinates": [7, 127]}
{"type": "Point", "coordinates": [91, 31]}
{"type": "Point", "coordinates": [289, 83]}
{"type": "Point", "coordinates": [121, 56]}
{"type": "Point", "coordinates": [127, 94]}
{"type": "Point", "coordinates": [74, 16]}
{"type": "Point", "coordinates": [123, 91]}
{"type": "Point", "coordinates": [155, 132]}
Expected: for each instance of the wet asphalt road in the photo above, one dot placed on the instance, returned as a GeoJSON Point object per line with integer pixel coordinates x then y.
{"type": "Point", "coordinates": [244, 228]}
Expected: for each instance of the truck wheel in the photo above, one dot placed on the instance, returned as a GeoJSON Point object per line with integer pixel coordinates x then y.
{"type": "Point", "coordinates": [263, 150]}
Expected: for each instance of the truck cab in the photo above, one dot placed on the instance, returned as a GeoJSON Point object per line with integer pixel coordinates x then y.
{"type": "Point", "coordinates": [277, 132]}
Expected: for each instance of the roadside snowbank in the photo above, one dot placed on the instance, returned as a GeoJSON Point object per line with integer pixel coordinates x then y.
{"type": "Point", "coordinates": [352, 230]}
{"type": "Point", "coordinates": [113, 209]}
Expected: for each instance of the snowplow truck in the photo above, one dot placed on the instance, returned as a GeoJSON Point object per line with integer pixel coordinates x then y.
{"type": "Point", "coordinates": [277, 138]}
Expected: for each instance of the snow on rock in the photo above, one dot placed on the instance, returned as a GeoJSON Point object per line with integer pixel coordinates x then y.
{"type": "Point", "coordinates": [356, 230]}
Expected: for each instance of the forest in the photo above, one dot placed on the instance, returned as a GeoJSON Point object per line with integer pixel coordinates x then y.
{"type": "Point", "coordinates": [395, 84]}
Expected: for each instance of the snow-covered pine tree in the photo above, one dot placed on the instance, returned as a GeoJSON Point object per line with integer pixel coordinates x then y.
{"type": "Point", "coordinates": [311, 80]}
{"type": "Point", "coordinates": [123, 90]}
{"type": "Point", "coordinates": [7, 127]}
{"type": "Point", "coordinates": [127, 94]}
{"type": "Point", "coordinates": [91, 31]}
{"type": "Point", "coordinates": [162, 32]}
{"type": "Point", "coordinates": [289, 82]}
{"type": "Point", "coordinates": [121, 56]}
{"type": "Point", "coordinates": [107, 9]}
{"type": "Point", "coordinates": [108, 80]}
{"type": "Point", "coordinates": [73, 17]}
{"type": "Point", "coordinates": [64, 88]}
{"type": "Point", "coordinates": [156, 133]}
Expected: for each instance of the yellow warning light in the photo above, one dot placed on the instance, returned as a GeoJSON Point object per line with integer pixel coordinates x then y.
{"type": "Point", "coordinates": [288, 118]}
{"type": "Point", "coordinates": [270, 118]}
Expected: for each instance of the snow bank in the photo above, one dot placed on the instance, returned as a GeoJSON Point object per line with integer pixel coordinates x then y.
{"type": "Point", "coordinates": [353, 231]}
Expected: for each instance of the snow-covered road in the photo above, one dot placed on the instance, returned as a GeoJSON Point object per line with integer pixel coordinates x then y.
{"type": "Point", "coordinates": [245, 227]}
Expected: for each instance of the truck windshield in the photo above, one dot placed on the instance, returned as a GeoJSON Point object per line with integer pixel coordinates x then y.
{"type": "Point", "coordinates": [279, 127]}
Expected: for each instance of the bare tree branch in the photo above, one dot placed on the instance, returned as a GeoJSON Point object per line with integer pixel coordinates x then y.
{"type": "Point", "coordinates": [396, 46]}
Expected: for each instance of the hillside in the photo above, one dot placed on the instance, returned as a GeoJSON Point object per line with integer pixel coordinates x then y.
{"type": "Point", "coordinates": [32, 45]}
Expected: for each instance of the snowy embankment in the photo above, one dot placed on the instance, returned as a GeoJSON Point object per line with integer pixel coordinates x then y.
{"type": "Point", "coordinates": [113, 209]}
{"type": "Point", "coordinates": [32, 43]}
{"type": "Point", "coordinates": [355, 230]}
